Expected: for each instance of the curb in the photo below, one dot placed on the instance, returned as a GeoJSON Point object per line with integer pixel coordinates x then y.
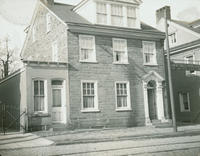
{"type": "Point", "coordinates": [135, 137]}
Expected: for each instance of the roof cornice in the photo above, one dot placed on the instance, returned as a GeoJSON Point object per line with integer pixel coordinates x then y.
{"type": "Point", "coordinates": [115, 31]}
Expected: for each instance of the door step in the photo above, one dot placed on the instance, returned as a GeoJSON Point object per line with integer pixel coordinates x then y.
{"type": "Point", "coordinates": [59, 127]}
{"type": "Point", "coordinates": [159, 124]}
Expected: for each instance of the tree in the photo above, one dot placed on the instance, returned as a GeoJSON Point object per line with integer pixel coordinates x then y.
{"type": "Point", "coordinates": [7, 57]}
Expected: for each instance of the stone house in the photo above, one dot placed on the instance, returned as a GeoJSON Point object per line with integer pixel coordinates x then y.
{"type": "Point", "coordinates": [91, 65]}
{"type": "Point", "coordinates": [184, 40]}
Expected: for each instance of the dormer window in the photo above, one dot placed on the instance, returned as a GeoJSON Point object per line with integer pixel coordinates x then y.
{"type": "Point", "coordinates": [116, 15]}
{"type": "Point", "coordinates": [101, 13]}
{"type": "Point", "coordinates": [131, 17]}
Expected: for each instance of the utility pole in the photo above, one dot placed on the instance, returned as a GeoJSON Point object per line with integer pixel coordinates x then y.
{"type": "Point", "coordinates": [170, 75]}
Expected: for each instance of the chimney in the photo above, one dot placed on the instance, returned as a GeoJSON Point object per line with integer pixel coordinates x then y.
{"type": "Point", "coordinates": [48, 2]}
{"type": "Point", "coordinates": [160, 13]}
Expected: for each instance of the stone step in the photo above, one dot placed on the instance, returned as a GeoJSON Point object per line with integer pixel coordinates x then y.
{"type": "Point", "coordinates": [159, 124]}
{"type": "Point", "coordinates": [59, 127]}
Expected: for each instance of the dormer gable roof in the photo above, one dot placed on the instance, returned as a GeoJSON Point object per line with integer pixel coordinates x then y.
{"type": "Point", "coordinates": [138, 2]}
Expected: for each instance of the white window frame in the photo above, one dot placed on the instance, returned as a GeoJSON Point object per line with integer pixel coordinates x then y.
{"type": "Point", "coordinates": [128, 108]}
{"type": "Point", "coordinates": [188, 72]}
{"type": "Point", "coordinates": [55, 51]}
{"type": "Point", "coordinates": [173, 37]}
{"type": "Point", "coordinates": [98, 13]}
{"type": "Point", "coordinates": [154, 62]}
{"type": "Point", "coordinates": [45, 96]}
{"type": "Point", "coordinates": [34, 33]}
{"type": "Point", "coordinates": [93, 58]}
{"type": "Point", "coordinates": [125, 61]}
{"type": "Point", "coordinates": [96, 105]}
{"type": "Point", "coordinates": [119, 16]}
{"type": "Point", "coordinates": [131, 17]}
{"type": "Point", "coordinates": [48, 22]}
{"type": "Point", "coordinates": [182, 109]}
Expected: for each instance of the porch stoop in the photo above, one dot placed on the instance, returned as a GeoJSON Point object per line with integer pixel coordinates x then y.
{"type": "Point", "coordinates": [58, 127]}
{"type": "Point", "coordinates": [159, 124]}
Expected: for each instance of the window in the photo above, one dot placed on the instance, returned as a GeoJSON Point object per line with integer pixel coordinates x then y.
{"type": "Point", "coordinates": [39, 96]}
{"type": "Point", "coordinates": [149, 53]}
{"type": "Point", "coordinates": [131, 17]}
{"type": "Point", "coordinates": [122, 95]}
{"type": "Point", "coordinates": [116, 15]}
{"type": "Point", "coordinates": [33, 33]}
{"type": "Point", "coordinates": [190, 60]}
{"type": "Point", "coordinates": [184, 102]}
{"type": "Point", "coordinates": [54, 51]}
{"type": "Point", "coordinates": [120, 53]}
{"type": "Point", "coordinates": [87, 48]}
{"type": "Point", "coordinates": [89, 96]}
{"type": "Point", "coordinates": [48, 20]}
{"type": "Point", "coordinates": [173, 38]}
{"type": "Point", "coordinates": [101, 13]}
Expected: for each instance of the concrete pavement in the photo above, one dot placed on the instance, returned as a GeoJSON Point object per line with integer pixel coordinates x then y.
{"type": "Point", "coordinates": [105, 135]}
{"type": "Point", "coordinates": [157, 146]}
{"type": "Point", "coordinates": [62, 138]}
{"type": "Point", "coordinates": [19, 140]}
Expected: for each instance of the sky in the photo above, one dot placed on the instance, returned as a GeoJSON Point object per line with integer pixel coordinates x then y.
{"type": "Point", "coordinates": [15, 15]}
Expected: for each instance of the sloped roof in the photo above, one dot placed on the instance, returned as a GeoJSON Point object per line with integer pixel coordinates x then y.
{"type": "Point", "coordinates": [188, 25]}
{"type": "Point", "coordinates": [65, 12]}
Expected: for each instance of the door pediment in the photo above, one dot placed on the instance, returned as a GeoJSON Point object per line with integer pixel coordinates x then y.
{"type": "Point", "coordinates": [152, 75]}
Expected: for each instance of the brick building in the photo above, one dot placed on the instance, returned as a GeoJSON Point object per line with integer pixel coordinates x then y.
{"type": "Point", "coordinates": [92, 65]}
{"type": "Point", "coordinates": [184, 39]}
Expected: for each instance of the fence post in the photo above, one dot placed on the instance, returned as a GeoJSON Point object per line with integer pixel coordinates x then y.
{"type": "Point", "coordinates": [4, 118]}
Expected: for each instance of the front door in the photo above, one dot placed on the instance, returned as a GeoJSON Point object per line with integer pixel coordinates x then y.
{"type": "Point", "coordinates": [152, 101]}
{"type": "Point", "coordinates": [57, 104]}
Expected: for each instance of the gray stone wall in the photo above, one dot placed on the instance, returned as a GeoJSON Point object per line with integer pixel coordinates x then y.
{"type": "Point", "coordinates": [41, 49]}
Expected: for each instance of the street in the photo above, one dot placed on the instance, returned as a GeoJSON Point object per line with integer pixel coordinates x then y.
{"type": "Point", "coordinates": [179, 146]}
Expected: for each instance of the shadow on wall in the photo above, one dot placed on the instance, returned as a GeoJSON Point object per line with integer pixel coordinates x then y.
{"type": "Point", "coordinates": [10, 97]}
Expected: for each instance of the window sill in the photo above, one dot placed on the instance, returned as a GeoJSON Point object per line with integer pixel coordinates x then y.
{"type": "Point", "coordinates": [40, 114]}
{"type": "Point", "coordinates": [123, 109]}
{"type": "Point", "coordinates": [150, 64]}
{"type": "Point", "coordinates": [121, 63]}
{"type": "Point", "coordinates": [185, 111]}
{"type": "Point", "coordinates": [81, 61]}
{"type": "Point", "coordinates": [90, 110]}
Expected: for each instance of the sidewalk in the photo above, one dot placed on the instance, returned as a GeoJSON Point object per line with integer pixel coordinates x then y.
{"type": "Point", "coordinates": [20, 140]}
{"type": "Point", "coordinates": [103, 135]}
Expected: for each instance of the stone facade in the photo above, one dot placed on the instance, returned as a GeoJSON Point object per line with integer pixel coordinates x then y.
{"type": "Point", "coordinates": [41, 48]}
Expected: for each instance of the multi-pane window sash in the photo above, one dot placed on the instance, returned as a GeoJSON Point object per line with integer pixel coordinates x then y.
{"type": "Point", "coordinates": [87, 50]}
{"type": "Point", "coordinates": [184, 101]}
{"type": "Point", "coordinates": [122, 95]}
{"type": "Point", "coordinates": [55, 51]}
{"type": "Point", "coordinates": [88, 95]}
{"type": "Point", "coordinates": [149, 51]}
{"type": "Point", "coordinates": [101, 13]}
{"type": "Point", "coordinates": [117, 15]}
{"type": "Point", "coordinates": [48, 22]}
{"type": "Point", "coordinates": [131, 17]}
{"type": "Point", "coordinates": [39, 96]}
{"type": "Point", "coordinates": [120, 51]}
{"type": "Point", "coordinates": [189, 59]}
{"type": "Point", "coordinates": [33, 33]}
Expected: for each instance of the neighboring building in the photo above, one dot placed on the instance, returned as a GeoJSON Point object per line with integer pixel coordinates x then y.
{"type": "Point", "coordinates": [184, 39]}
{"type": "Point", "coordinates": [92, 65]}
